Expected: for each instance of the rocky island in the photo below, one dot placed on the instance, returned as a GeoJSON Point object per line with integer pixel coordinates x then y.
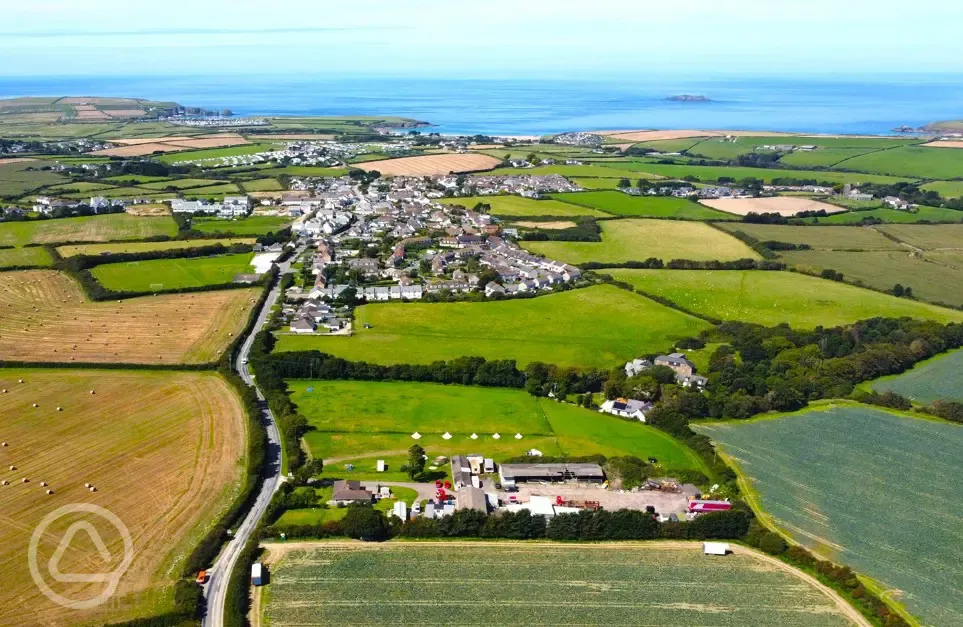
{"type": "Point", "coordinates": [688, 98]}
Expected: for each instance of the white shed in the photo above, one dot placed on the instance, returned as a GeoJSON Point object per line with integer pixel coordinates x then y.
{"type": "Point", "coordinates": [381, 465]}
{"type": "Point", "coordinates": [715, 548]}
{"type": "Point", "coordinates": [257, 574]}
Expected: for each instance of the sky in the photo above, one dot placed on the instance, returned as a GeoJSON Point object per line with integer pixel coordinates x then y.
{"type": "Point", "coordinates": [483, 39]}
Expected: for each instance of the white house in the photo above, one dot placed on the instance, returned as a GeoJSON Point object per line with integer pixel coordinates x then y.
{"type": "Point", "coordinates": [626, 408]}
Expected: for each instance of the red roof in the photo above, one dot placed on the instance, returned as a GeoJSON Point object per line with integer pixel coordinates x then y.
{"type": "Point", "coordinates": [709, 506]}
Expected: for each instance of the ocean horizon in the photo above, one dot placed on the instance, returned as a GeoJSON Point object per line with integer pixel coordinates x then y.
{"type": "Point", "coordinates": [516, 106]}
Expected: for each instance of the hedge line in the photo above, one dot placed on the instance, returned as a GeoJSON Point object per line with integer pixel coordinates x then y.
{"type": "Point", "coordinates": [687, 264]}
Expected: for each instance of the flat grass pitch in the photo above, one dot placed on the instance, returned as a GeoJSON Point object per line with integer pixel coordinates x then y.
{"type": "Point", "coordinates": [867, 488]}
{"type": "Point", "coordinates": [140, 247]}
{"type": "Point", "coordinates": [787, 206]}
{"type": "Point", "coordinates": [341, 410]}
{"type": "Point", "coordinates": [518, 207]}
{"type": "Point", "coordinates": [637, 240]}
{"type": "Point", "coordinates": [254, 225]}
{"type": "Point", "coordinates": [170, 274]}
{"type": "Point", "coordinates": [655, 583]}
{"type": "Point", "coordinates": [117, 226]}
{"type": "Point", "coordinates": [936, 379]}
{"type": "Point", "coordinates": [431, 165]}
{"type": "Point", "coordinates": [162, 448]}
{"type": "Point", "coordinates": [596, 327]}
{"type": "Point", "coordinates": [620, 204]}
{"type": "Point", "coordinates": [45, 317]}
{"type": "Point", "coordinates": [771, 298]}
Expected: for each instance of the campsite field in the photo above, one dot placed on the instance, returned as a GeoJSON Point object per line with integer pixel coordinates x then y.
{"type": "Point", "coordinates": [170, 274]}
{"type": "Point", "coordinates": [771, 298]}
{"type": "Point", "coordinates": [940, 378]}
{"type": "Point", "coordinates": [116, 226]}
{"type": "Point", "coordinates": [430, 165]}
{"type": "Point", "coordinates": [640, 239]}
{"type": "Point", "coordinates": [44, 316]}
{"type": "Point", "coordinates": [600, 326]}
{"type": "Point", "coordinates": [249, 227]}
{"type": "Point", "coordinates": [140, 247]}
{"type": "Point", "coordinates": [518, 207]}
{"type": "Point", "coordinates": [891, 511]}
{"type": "Point", "coordinates": [620, 204]}
{"type": "Point", "coordinates": [655, 583]}
{"type": "Point", "coordinates": [163, 449]}
{"type": "Point", "coordinates": [392, 411]}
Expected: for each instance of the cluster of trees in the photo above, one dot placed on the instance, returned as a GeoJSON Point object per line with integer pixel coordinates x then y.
{"type": "Point", "coordinates": [586, 229]}
{"type": "Point", "coordinates": [776, 218]}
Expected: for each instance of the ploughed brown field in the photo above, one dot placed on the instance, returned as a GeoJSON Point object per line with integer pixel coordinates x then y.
{"type": "Point", "coordinates": [44, 316]}
{"type": "Point", "coordinates": [783, 205]}
{"type": "Point", "coordinates": [429, 165]}
{"type": "Point", "coordinates": [162, 449]}
{"type": "Point", "coordinates": [146, 146]}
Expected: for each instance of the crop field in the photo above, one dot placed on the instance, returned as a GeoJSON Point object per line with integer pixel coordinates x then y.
{"type": "Point", "coordinates": [44, 316]}
{"type": "Point", "coordinates": [386, 414]}
{"type": "Point", "coordinates": [116, 226]}
{"type": "Point", "coordinates": [787, 206]}
{"type": "Point", "coordinates": [868, 488]}
{"type": "Point", "coordinates": [819, 237]}
{"type": "Point", "coordinates": [617, 203]}
{"type": "Point", "coordinates": [16, 257]}
{"type": "Point", "coordinates": [141, 247]}
{"type": "Point", "coordinates": [518, 207]}
{"type": "Point", "coordinates": [163, 450]}
{"type": "Point", "coordinates": [637, 240]}
{"type": "Point", "coordinates": [771, 298]}
{"type": "Point", "coordinates": [429, 165]}
{"type": "Point", "coordinates": [169, 274]}
{"type": "Point", "coordinates": [17, 179]}
{"type": "Point", "coordinates": [596, 327]}
{"type": "Point", "coordinates": [822, 157]}
{"type": "Point", "coordinates": [655, 583]}
{"type": "Point", "coordinates": [934, 379]}
{"type": "Point", "coordinates": [712, 173]}
{"type": "Point", "coordinates": [927, 237]}
{"type": "Point", "coordinates": [910, 161]}
{"type": "Point", "coordinates": [932, 281]}
{"type": "Point", "coordinates": [946, 189]}
{"type": "Point", "coordinates": [251, 226]}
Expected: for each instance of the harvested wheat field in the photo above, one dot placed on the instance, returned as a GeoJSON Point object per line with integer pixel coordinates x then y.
{"type": "Point", "coordinates": [294, 136]}
{"type": "Point", "coordinates": [430, 165]}
{"type": "Point", "coordinates": [125, 113]}
{"type": "Point", "coordinates": [945, 143]}
{"type": "Point", "coordinates": [163, 451]}
{"type": "Point", "coordinates": [146, 146]}
{"type": "Point", "coordinates": [149, 211]}
{"type": "Point", "coordinates": [783, 205]}
{"type": "Point", "coordinates": [11, 160]}
{"type": "Point", "coordinates": [138, 150]}
{"type": "Point", "coordinates": [146, 140]}
{"type": "Point", "coordinates": [44, 316]}
{"type": "Point", "coordinates": [556, 225]}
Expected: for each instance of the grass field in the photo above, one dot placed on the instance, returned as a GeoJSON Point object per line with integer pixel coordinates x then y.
{"type": "Point", "coordinates": [33, 256]}
{"type": "Point", "coordinates": [170, 274]}
{"type": "Point", "coordinates": [771, 298]}
{"type": "Point", "coordinates": [596, 183]}
{"type": "Point", "coordinates": [262, 185]}
{"type": "Point", "coordinates": [934, 379]}
{"type": "Point", "coordinates": [930, 214]}
{"type": "Point", "coordinates": [214, 153]}
{"type": "Point", "coordinates": [927, 237]}
{"type": "Point", "coordinates": [162, 448]}
{"type": "Point", "coordinates": [868, 488]}
{"type": "Point", "coordinates": [139, 247]}
{"type": "Point", "coordinates": [910, 161]}
{"type": "Point", "coordinates": [254, 225]}
{"type": "Point", "coordinates": [615, 170]}
{"type": "Point", "coordinates": [600, 326]}
{"type": "Point", "coordinates": [712, 173]}
{"type": "Point", "coordinates": [946, 189]}
{"type": "Point", "coordinates": [116, 226]}
{"type": "Point", "coordinates": [819, 237]}
{"type": "Point", "coordinates": [341, 410]}
{"type": "Point", "coordinates": [17, 179]}
{"type": "Point", "coordinates": [44, 317]}
{"type": "Point", "coordinates": [535, 584]}
{"type": "Point", "coordinates": [637, 240]}
{"type": "Point", "coordinates": [212, 191]}
{"type": "Point", "coordinates": [518, 207]}
{"type": "Point", "coordinates": [620, 204]}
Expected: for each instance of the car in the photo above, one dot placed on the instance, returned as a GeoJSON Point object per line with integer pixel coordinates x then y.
{"type": "Point", "coordinates": [202, 577]}
{"type": "Point", "coordinates": [653, 460]}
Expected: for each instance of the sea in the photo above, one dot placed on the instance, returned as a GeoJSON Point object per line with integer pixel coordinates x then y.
{"type": "Point", "coordinates": [874, 104]}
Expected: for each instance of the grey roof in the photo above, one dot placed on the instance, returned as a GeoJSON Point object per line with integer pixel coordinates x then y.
{"type": "Point", "coordinates": [471, 498]}
{"type": "Point", "coordinates": [349, 491]}
{"type": "Point", "coordinates": [552, 472]}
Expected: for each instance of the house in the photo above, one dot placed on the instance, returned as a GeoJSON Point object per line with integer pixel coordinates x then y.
{"type": "Point", "coordinates": [677, 362]}
{"type": "Point", "coordinates": [636, 366]}
{"type": "Point", "coordinates": [347, 492]}
{"type": "Point", "coordinates": [303, 325]}
{"type": "Point", "coordinates": [460, 471]}
{"type": "Point", "coordinates": [471, 498]}
{"type": "Point", "coordinates": [626, 408]}
{"type": "Point", "coordinates": [513, 474]}
{"type": "Point", "coordinates": [494, 288]}
{"type": "Point", "coordinates": [692, 381]}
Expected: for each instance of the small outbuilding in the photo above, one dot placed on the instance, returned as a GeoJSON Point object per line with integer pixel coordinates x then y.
{"type": "Point", "coordinates": [715, 548]}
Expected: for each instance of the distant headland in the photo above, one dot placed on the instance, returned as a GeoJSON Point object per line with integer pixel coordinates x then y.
{"type": "Point", "coordinates": [688, 98]}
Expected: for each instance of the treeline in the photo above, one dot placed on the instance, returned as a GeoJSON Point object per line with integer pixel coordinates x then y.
{"type": "Point", "coordinates": [777, 218]}
{"type": "Point", "coordinates": [586, 229]}
{"type": "Point", "coordinates": [688, 264]}
{"type": "Point", "coordinates": [947, 410]}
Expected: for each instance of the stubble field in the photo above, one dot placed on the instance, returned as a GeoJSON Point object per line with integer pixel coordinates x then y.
{"type": "Point", "coordinates": [44, 316]}
{"type": "Point", "coordinates": [118, 226]}
{"type": "Point", "coordinates": [431, 165]}
{"type": "Point", "coordinates": [163, 450]}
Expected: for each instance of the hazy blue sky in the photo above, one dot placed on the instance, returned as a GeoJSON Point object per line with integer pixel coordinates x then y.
{"type": "Point", "coordinates": [479, 38]}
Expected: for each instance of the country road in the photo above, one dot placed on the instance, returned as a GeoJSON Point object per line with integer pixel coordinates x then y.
{"type": "Point", "coordinates": [215, 591]}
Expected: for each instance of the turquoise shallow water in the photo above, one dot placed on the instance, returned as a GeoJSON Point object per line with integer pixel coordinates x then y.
{"type": "Point", "coordinates": [520, 106]}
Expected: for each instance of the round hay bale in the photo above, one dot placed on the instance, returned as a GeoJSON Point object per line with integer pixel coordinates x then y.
{"type": "Point", "coordinates": [86, 485]}
{"type": "Point", "coordinates": [43, 484]}
{"type": "Point", "coordinates": [13, 468]}
{"type": "Point", "coordinates": [60, 409]}
{"type": "Point", "coordinates": [93, 489]}
{"type": "Point", "coordinates": [5, 482]}
{"type": "Point", "coordinates": [36, 405]}
{"type": "Point", "coordinates": [25, 480]}
{"type": "Point", "coordinates": [49, 492]}
{"type": "Point", "coordinates": [92, 392]}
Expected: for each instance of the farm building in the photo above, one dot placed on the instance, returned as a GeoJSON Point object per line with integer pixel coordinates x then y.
{"type": "Point", "coordinates": [348, 492]}
{"type": "Point", "coordinates": [701, 507]}
{"type": "Point", "coordinates": [678, 363]}
{"type": "Point", "coordinates": [626, 408]}
{"type": "Point", "coordinates": [400, 510]}
{"type": "Point", "coordinates": [471, 498]}
{"type": "Point", "coordinates": [513, 474]}
{"type": "Point", "coordinates": [460, 471]}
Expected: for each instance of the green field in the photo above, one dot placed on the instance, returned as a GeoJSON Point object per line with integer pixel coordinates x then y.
{"type": "Point", "coordinates": [637, 240]}
{"type": "Point", "coordinates": [213, 190]}
{"type": "Point", "coordinates": [616, 169]}
{"type": "Point", "coordinates": [672, 145]}
{"type": "Point", "coordinates": [868, 488]}
{"type": "Point", "coordinates": [718, 148]}
{"type": "Point", "coordinates": [946, 189]}
{"type": "Point", "coordinates": [351, 412]}
{"type": "Point", "coordinates": [771, 298]}
{"type": "Point", "coordinates": [598, 183]}
{"type": "Point", "coordinates": [32, 256]}
{"type": "Point", "coordinates": [135, 178]}
{"type": "Point", "coordinates": [16, 179]}
{"type": "Point", "coordinates": [518, 207]}
{"type": "Point", "coordinates": [895, 216]}
{"type": "Point", "coordinates": [620, 204]}
{"type": "Point", "coordinates": [934, 379]}
{"type": "Point", "coordinates": [181, 184]}
{"type": "Point", "coordinates": [262, 185]}
{"type": "Point", "coordinates": [304, 170]}
{"type": "Point", "coordinates": [77, 186]}
{"type": "Point", "coordinates": [500, 583]}
{"type": "Point", "coordinates": [910, 161]}
{"type": "Point", "coordinates": [141, 247]}
{"type": "Point", "coordinates": [819, 237]}
{"type": "Point", "coordinates": [600, 326]}
{"type": "Point", "coordinates": [106, 228]}
{"type": "Point", "coordinates": [927, 237]}
{"type": "Point", "coordinates": [214, 153]}
{"type": "Point", "coordinates": [712, 173]}
{"type": "Point", "coordinates": [254, 225]}
{"type": "Point", "coordinates": [169, 274]}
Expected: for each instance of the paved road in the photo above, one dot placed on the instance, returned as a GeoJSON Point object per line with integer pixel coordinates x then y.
{"type": "Point", "coordinates": [215, 591]}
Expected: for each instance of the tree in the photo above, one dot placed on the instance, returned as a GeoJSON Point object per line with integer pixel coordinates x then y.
{"type": "Point", "coordinates": [365, 523]}
{"type": "Point", "coordinates": [624, 183]}
{"type": "Point", "coordinates": [532, 158]}
{"type": "Point", "coordinates": [771, 543]}
{"type": "Point", "coordinates": [898, 290]}
{"type": "Point", "coordinates": [347, 298]}
{"type": "Point", "coordinates": [416, 461]}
